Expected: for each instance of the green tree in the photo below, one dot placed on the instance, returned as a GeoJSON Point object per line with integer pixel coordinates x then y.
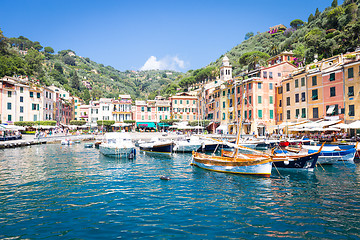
{"type": "Point", "coordinates": [74, 81]}
{"type": "Point", "coordinates": [86, 96]}
{"type": "Point", "coordinates": [296, 23]}
{"type": "Point", "coordinates": [253, 59]}
{"type": "Point", "coordinates": [334, 3]}
{"type": "Point", "coordinates": [274, 50]}
{"type": "Point", "coordinates": [58, 67]}
{"type": "Point", "coordinates": [96, 93]}
{"type": "Point", "coordinates": [34, 60]}
{"type": "Point", "coordinates": [249, 35]}
{"type": "Point", "coordinates": [3, 43]}
{"type": "Point", "coordinates": [37, 46]}
{"type": "Point", "coordinates": [299, 53]}
{"type": "Point", "coordinates": [58, 77]}
{"type": "Point", "coordinates": [48, 50]}
{"type": "Point", "coordinates": [311, 18]}
{"type": "Point", "coordinates": [69, 60]}
{"type": "Point", "coordinates": [317, 12]}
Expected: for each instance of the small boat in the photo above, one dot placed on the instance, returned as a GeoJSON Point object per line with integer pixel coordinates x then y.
{"type": "Point", "coordinates": [331, 154]}
{"type": "Point", "coordinates": [211, 145]}
{"type": "Point", "coordinates": [88, 145]}
{"type": "Point", "coordinates": [286, 159]}
{"type": "Point", "coordinates": [97, 144]}
{"type": "Point", "coordinates": [249, 164]}
{"type": "Point", "coordinates": [66, 142]}
{"type": "Point", "coordinates": [77, 141]}
{"type": "Point", "coordinates": [158, 147]}
{"type": "Point", "coordinates": [118, 144]}
{"type": "Point", "coordinates": [188, 145]}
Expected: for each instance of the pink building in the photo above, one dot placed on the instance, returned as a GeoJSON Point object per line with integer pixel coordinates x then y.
{"type": "Point", "coordinates": [184, 107]}
{"type": "Point", "coordinates": [259, 104]}
{"type": "Point", "coordinates": [333, 90]}
{"type": "Point", "coordinates": [148, 114]}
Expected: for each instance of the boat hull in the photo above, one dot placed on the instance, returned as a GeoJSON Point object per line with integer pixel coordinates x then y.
{"type": "Point", "coordinates": [117, 152]}
{"type": "Point", "coordinates": [260, 168]}
{"type": "Point", "coordinates": [186, 148]}
{"type": "Point", "coordinates": [301, 162]}
{"type": "Point", "coordinates": [166, 148]}
{"type": "Point", "coordinates": [331, 157]}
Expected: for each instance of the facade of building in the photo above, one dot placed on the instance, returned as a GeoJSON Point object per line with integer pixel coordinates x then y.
{"type": "Point", "coordinates": [184, 107]}
{"type": "Point", "coordinates": [351, 72]}
{"type": "Point", "coordinates": [294, 96]}
{"type": "Point", "coordinates": [259, 106]}
{"type": "Point", "coordinates": [121, 109]}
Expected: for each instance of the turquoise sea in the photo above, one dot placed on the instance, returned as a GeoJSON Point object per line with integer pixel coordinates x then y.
{"type": "Point", "coordinates": [71, 192]}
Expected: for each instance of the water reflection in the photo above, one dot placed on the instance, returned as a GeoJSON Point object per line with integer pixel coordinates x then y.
{"type": "Point", "coordinates": [68, 191]}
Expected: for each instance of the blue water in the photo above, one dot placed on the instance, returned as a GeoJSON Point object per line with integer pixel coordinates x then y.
{"type": "Point", "coordinates": [69, 192]}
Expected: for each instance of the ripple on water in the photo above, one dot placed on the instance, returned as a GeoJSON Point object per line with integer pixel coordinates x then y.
{"type": "Point", "coordinates": [51, 191]}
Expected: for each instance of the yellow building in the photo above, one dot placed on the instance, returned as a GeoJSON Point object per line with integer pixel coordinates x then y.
{"type": "Point", "coordinates": [294, 98]}
{"type": "Point", "coordinates": [314, 92]}
{"type": "Point", "coordinates": [351, 70]}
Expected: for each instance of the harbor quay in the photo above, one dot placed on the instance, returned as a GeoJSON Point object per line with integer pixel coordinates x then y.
{"type": "Point", "coordinates": [28, 140]}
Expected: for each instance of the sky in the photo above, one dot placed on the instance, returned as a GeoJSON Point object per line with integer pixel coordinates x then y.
{"type": "Point", "coordinates": [148, 34]}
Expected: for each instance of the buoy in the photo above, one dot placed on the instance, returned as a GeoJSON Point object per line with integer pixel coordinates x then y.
{"type": "Point", "coordinates": [165, 178]}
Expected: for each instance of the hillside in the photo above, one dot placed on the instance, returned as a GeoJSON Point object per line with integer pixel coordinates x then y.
{"type": "Point", "coordinates": [331, 32]}
{"type": "Point", "coordinates": [322, 35]}
{"type": "Point", "coordinates": [79, 75]}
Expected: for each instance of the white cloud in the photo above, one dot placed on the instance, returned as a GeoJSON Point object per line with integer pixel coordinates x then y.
{"type": "Point", "coordinates": [166, 63]}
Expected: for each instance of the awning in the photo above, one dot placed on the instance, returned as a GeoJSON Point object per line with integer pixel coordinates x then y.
{"type": "Point", "coordinates": [341, 126]}
{"type": "Point", "coordinates": [121, 125]}
{"type": "Point", "coordinates": [330, 109]}
{"type": "Point", "coordinates": [355, 125]}
{"type": "Point", "coordinates": [43, 127]}
{"type": "Point", "coordinates": [146, 124]}
{"type": "Point", "coordinates": [163, 125]}
{"type": "Point", "coordinates": [222, 127]}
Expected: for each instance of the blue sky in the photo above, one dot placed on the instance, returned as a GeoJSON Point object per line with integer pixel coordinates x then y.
{"type": "Point", "coordinates": [178, 34]}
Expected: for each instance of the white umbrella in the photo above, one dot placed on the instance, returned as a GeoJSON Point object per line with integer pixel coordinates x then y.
{"type": "Point", "coordinates": [355, 125]}
{"type": "Point", "coordinates": [341, 125]}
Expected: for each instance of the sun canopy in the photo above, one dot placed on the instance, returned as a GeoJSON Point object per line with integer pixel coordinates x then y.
{"type": "Point", "coordinates": [146, 124]}
{"type": "Point", "coordinates": [341, 126]}
{"type": "Point", "coordinates": [355, 125]}
{"type": "Point", "coordinates": [121, 125]}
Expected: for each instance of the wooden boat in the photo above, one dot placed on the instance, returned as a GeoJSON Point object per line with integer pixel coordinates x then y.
{"type": "Point", "coordinates": [254, 163]}
{"type": "Point", "coordinates": [284, 159]}
{"type": "Point", "coordinates": [240, 164]}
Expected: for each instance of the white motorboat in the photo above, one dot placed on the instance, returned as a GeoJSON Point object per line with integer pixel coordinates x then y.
{"type": "Point", "coordinates": [158, 146]}
{"type": "Point", "coordinates": [118, 144]}
{"type": "Point", "coordinates": [188, 145]}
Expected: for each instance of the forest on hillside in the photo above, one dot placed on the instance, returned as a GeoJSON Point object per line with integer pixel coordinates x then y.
{"type": "Point", "coordinates": [79, 75]}
{"type": "Point", "coordinates": [322, 35]}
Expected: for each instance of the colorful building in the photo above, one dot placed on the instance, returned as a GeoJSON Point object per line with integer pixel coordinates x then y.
{"type": "Point", "coordinates": [259, 105]}
{"type": "Point", "coordinates": [351, 71]}
{"type": "Point", "coordinates": [184, 106]}
{"type": "Point", "coordinates": [122, 108]}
